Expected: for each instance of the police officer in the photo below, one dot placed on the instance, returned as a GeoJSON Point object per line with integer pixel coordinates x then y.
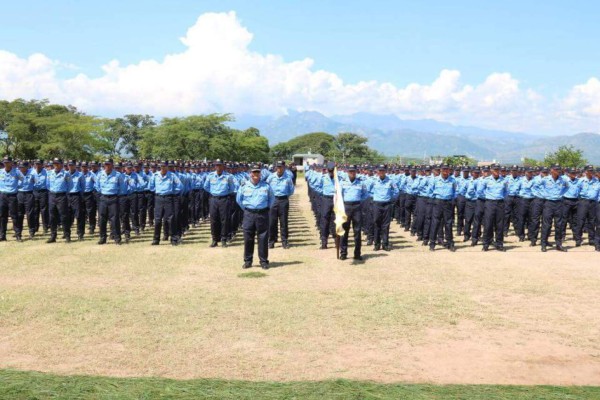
{"type": "Point", "coordinates": [219, 184]}
{"type": "Point", "coordinates": [59, 184]}
{"type": "Point", "coordinates": [553, 187]}
{"type": "Point", "coordinates": [10, 178]}
{"type": "Point", "coordinates": [109, 184]}
{"type": "Point", "coordinates": [354, 193]}
{"type": "Point", "coordinates": [325, 187]}
{"type": "Point", "coordinates": [494, 188]}
{"type": "Point", "coordinates": [524, 203]}
{"type": "Point", "coordinates": [167, 187]}
{"type": "Point", "coordinates": [25, 199]}
{"type": "Point", "coordinates": [586, 207]}
{"type": "Point", "coordinates": [443, 192]}
{"type": "Point", "coordinates": [283, 187]}
{"type": "Point", "coordinates": [90, 205]}
{"type": "Point", "coordinates": [40, 195]}
{"type": "Point", "coordinates": [75, 199]}
{"type": "Point", "coordinates": [384, 193]}
{"type": "Point", "coordinates": [512, 200]}
{"type": "Point", "coordinates": [255, 197]}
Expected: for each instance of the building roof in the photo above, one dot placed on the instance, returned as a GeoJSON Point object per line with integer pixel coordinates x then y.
{"type": "Point", "coordinates": [313, 155]}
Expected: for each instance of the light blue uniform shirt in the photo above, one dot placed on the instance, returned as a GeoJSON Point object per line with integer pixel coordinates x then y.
{"type": "Point", "coordinates": [219, 185]}
{"type": "Point", "coordinates": [536, 187]}
{"type": "Point", "coordinates": [169, 184]}
{"type": "Point", "coordinates": [90, 182]}
{"type": "Point", "coordinates": [444, 189]}
{"type": "Point", "coordinates": [255, 197]}
{"type": "Point", "coordinates": [525, 188]}
{"type": "Point", "coordinates": [384, 190]}
{"type": "Point", "coordinates": [513, 185]}
{"type": "Point", "coordinates": [573, 189]}
{"type": "Point", "coordinates": [461, 185]}
{"type": "Point", "coordinates": [131, 182]}
{"type": "Point", "coordinates": [494, 189]}
{"type": "Point", "coordinates": [353, 191]}
{"type": "Point", "coordinates": [109, 184]}
{"type": "Point", "coordinates": [58, 182]}
{"type": "Point", "coordinates": [554, 189]}
{"type": "Point", "coordinates": [411, 186]}
{"type": "Point", "coordinates": [77, 182]}
{"type": "Point", "coordinates": [40, 179]}
{"type": "Point", "coordinates": [9, 181]}
{"type": "Point", "coordinates": [325, 186]}
{"type": "Point", "coordinates": [281, 186]}
{"type": "Point", "coordinates": [471, 192]}
{"type": "Point", "coordinates": [26, 185]}
{"type": "Point", "coordinates": [589, 188]}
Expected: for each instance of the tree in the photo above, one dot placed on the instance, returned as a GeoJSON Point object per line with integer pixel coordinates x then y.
{"type": "Point", "coordinates": [458, 160]}
{"type": "Point", "coordinates": [532, 162]}
{"type": "Point", "coordinates": [351, 144]}
{"type": "Point", "coordinates": [566, 156]}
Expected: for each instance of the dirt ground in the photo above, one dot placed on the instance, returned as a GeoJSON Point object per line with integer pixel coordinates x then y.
{"type": "Point", "coordinates": [521, 317]}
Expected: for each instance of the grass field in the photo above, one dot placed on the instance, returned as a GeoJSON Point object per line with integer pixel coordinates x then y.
{"type": "Point", "coordinates": [189, 312]}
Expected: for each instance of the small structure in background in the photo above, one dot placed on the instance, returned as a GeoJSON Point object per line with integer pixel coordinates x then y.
{"type": "Point", "coordinates": [305, 160]}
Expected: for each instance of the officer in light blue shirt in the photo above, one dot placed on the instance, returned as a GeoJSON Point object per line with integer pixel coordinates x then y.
{"type": "Point", "coordinates": [9, 186]}
{"type": "Point", "coordinates": [59, 184]}
{"type": "Point", "coordinates": [443, 192]}
{"type": "Point", "coordinates": [494, 188]}
{"type": "Point", "coordinates": [384, 192]}
{"type": "Point", "coordinates": [283, 188]}
{"type": "Point", "coordinates": [589, 186]}
{"type": "Point", "coordinates": [219, 185]}
{"type": "Point", "coordinates": [524, 201]}
{"type": "Point", "coordinates": [109, 184]}
{"type": "Point", "coordinates": [553, 187]}
{"type": "Point", "coordinates": [90, 204]}
{"type": "Point", "coordinates": [354, 193]}
{"type": "Point", "coordinates": [40, 195]}
{"type": "Point", "coordinates": [511, 202]}
{"type": "Point", "coordinates": [75, 198]}
{"type": "Point", "coordinates": [25, 200]}
{"type": "Point", "coordinates": [325, 187]}
{"type": "Point", "coordinates": [167, 186]}
{"type": "Point", "coordinates": [255, 198]}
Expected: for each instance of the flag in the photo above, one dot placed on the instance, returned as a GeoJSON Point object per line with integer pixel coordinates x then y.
{"type": "Point", "coordinates": [338, 205]}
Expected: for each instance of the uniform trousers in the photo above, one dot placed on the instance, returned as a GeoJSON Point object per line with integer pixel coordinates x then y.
{"type": "Point", "coordinates": [256, 223]}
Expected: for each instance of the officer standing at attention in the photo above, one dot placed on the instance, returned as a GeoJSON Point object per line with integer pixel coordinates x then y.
{"type": "Point", "coordinates": [283, 187]}
{"type": "Point", "coordinates": [494, 188]}
{"type": "Point", "coordinates": [354, 193]}
{"type": "Point", "coordinates": [219, 185]}
{"type": "Point", "coordinates": [553, 187]}
{"type": "Point", "coordinates": [9, 186]}
{"type": "Point", "coordinates": [325, 187]}
{"type": "Point", "coordinates": [167, 186]}
{"type": "Point", "coordinates": [59, 184]}
{"type": "Point", "coordinates": [40, 195]}
{"type": "Point", "coordinates": [444, 191]}
{"type": "Point", "coordinates": [25, 199]}
{"type": "Point", "coordinates": [109, 184]}
{"type": "Point", "coordinates": [255, 197]}
{"type": "Point", "coordinates": [384, 193]}
{"type": "Point", "coordinates": [75, 199]}
{"type": "Point", "coordinates": [586, 209]}
{"type": "Point", "coordinates": [90, 206]}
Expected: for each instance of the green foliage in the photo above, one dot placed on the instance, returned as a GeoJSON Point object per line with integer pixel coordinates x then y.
{"type": "Point", "coordinates": [35, 385]}
{"type": "Point", "coordinates": [345, 147]}
{"type": "Point", "coordinates": [566, 156]}
{"type": "Point", "coordinates": [458, 160]}
{"type": "Point", "coordinates": [532, 162]}
{"type": "Point", "coordinates": [202, 136]}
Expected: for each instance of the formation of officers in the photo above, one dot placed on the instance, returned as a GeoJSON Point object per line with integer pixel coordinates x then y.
{"type": "Point", "coordinates": [427, 201]}
{"type": "Point", "coordinates": [168, 196]}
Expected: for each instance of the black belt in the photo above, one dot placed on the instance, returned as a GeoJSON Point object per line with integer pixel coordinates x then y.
{"type": "Point", "coordinates": [495, 201]}
{"type": "Point", "coordinates": [26, 191]}
{"type": "Point", "coordinates": [382, 203]}
{"type": "Point", "coordinates": [352, 203]}
{"type": "Point", "coordinates": [9, 194]}
{"type": "Point", "coordinates": [41, 190]}
{"type": "Point", "coordinates": [554, 201]}
{"type": "Point", "coordinates": [329, 197]}
{"type": "Point", "coordinates": [109, 196]}
{"type": "Point", "coordinates": [257, 211]}
{"type": "Point", "coordinates": [281, 197]}
{"type": "Point", "coordinates": [571, 198]}
{"type": "Point", "coordinates": [221, 197]}
{"type": "Point", "coordinates": [58, 193]}
{"type": "Point", "coordinates": [74, 194]}
{"type": "Point", "coordinates": [165, 195]}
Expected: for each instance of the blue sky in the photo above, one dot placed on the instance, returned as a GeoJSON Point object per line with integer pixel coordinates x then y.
{"type": "Point", "coordinates": [548, 49]}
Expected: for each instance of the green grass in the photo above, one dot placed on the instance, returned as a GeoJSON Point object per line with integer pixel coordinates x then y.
{"type": "Point", "coordinates": [34, 385]}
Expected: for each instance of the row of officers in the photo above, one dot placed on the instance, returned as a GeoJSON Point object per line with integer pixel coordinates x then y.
{"type": "Point", "coordinates": [169, 196]}
{"type": "Point", "coordinates": [428, 201]}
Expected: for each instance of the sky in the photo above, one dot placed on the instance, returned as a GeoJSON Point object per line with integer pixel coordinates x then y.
{"type": "Point", "coordinates": [513, 65]}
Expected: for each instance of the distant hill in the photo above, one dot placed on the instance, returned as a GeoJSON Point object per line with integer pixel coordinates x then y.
{"type": "Point", "coordinates": [418, 138]}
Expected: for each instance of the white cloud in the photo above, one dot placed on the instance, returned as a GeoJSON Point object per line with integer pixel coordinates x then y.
{"type": "Point", "coordinates": [218, 73]}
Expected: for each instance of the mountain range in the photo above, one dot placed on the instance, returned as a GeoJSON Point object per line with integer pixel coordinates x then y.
{"type": "Point", "coordinates": [421, 138]}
